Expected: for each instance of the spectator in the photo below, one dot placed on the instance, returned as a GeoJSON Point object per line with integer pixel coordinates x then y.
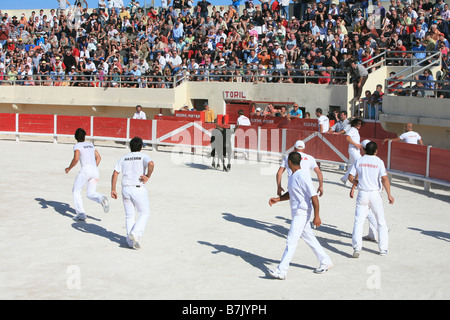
{"type": "Point", "coordinates": [139, 114]}
{"type": "Point", "coordinates": [209, 114]}
{"type": "Point", "coordinates": [360, 76]}
{"type": "Point", "coordinates": [342, 125]}
{"type": "Point", "coordinates": [296, 112]}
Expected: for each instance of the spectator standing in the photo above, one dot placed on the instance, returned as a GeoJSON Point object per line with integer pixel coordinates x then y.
{"type": "Point", "coordinates": [360, 75]}
{"type": "Point", "coordinates": [209, 114]}
{"type": "Point", "coordinates": [139, 114]}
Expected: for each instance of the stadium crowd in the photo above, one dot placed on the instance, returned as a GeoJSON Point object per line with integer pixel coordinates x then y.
{"type": "Point", "coordinates": [79, 46]}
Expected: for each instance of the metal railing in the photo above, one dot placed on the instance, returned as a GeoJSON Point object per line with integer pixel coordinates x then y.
{"type": "Point", "coordinates": [413, 84]}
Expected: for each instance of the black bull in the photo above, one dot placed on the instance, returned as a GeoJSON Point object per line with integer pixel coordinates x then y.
{"type": "Point", "coordinates": [221, 147]}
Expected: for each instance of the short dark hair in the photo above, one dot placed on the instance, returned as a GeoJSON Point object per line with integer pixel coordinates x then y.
{"type": "Point", "coordinates": [80, 134]}
{"type": "Point", "coordinates": [371, 148]}
{"type": "Point", "coordinates": [319, 110]}
{"type": "Point", "coordinates": [241, 112]}
{"type": "Point", "coordinates": [355, 122]}
{"type": "Point", "coordinates": [136, 144]}
{"type": "Point", "coordinates": [295, 158]}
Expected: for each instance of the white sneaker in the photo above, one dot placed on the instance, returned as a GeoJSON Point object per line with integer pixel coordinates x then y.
{"type": "Point", "coordinates": [383, 253]}
{"type": "Point", "coordinates": [276, 273]}
{"type": "Point", "coordinates": [79, 217]}
{"type": "Point", "coordinates": [323, 269]}
{"type": "Point", "coordinates": [136, 244]}
{"type": "Point", "coordinates": [105, 204]}
{"type": "Point", "coordinates": [344, 181]}
{"type": "Point", "coordinates": [356, 253]}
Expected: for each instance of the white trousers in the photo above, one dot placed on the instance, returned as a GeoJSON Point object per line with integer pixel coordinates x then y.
{"type": "Point", "coordinates": [135, 198]}
{"type": "Point", "coordinates": [301, 228]}
{"type": "Point", "coordinates": [88, 175]}
{"type": "Point", "coordinates": [353, 155]}
{"type": "Point", "coordinates": [364, 201]}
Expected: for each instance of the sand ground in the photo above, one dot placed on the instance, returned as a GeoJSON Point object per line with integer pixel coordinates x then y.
{"type": "Point", "coordinates": [211, 235]}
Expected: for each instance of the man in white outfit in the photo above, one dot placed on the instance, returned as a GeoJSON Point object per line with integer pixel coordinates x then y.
{"type": "Point", "coordinates": [136, 168]}
{"type": "Point", "coordinates": [307, 164]}
{"type": "Point", "coordinates": [354, 146]}
{"type": "Point", "coordinates": [370, 169]}
{"type": "Point", "coordinates": [373, 228]}
{"type": "Point", "coordinates": [89, 159]}
{"type": "Point", "coordinates": [409, 136]}
{"type": "Point", "coordinates": [303, 200]}
{"type": "Point", "coordinates": [139, 114]}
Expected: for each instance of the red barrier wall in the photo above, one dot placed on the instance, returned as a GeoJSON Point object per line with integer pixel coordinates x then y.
{"type": "Point", "coordinates": [408, 158]}
{"type": "Point", "coordinates": [404, 157]}
{"type": "Point", "coordinates": [36, 123]}
{"type": "Point", "coordinates": [7, 122]}
{"type": "Point", "coordinates": [439, 164]}
{"type": "Point", "coordinates": [69, 124]}
{"type": "Point", "coordinates": [141, 128]}
{"type": "Point", "coordinates": [110, 127]}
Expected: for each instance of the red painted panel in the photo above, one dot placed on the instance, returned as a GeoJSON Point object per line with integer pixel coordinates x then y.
{"type": "Point", "coordinates": [8, 122]}
{"type": "Point", "coordinates": [246, 137]}
{"type": "Point", "coordinates": [69, 124]}
{"type": "Point", "coordinates": [191, 135]}
{"type": "Point", "coordinates": [141, 128]}
{"type": "Point", "coordinates": [374, 130]}
{"type": "Point", "coordinates": [439, 164]}
{"type": "Point", "coordinates": [408, 157]}
{"type": "Point", "coordinates": [232, 109]}
{"type": "Point", "coordinates": [110, 127]}
{"type": "Point", "coordinates": [36, 123]}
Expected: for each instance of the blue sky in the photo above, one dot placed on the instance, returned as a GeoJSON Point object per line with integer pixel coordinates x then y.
{"type": "Point", "coordinates": [48, 4]}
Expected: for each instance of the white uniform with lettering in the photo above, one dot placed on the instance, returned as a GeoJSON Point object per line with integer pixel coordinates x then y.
{"type": "Point", "coordinates": [307, 164]}
{"type": "Point", "coordinates": [88, 174]}
{"type": "Point", "coordinates": [243, 121]}
{"type": "Point", "coordinates": [134, 193]}
{"type": "Point", "coordinates": [325, 122]}
{"type": "Point", "coordinates": [301, 190]}
{"type": "Point", "coordinates": [369, 169]}
{"type": "Point", "coordinates": [353, 152]}
{"type": "Point", "coordinates": [410, 137]}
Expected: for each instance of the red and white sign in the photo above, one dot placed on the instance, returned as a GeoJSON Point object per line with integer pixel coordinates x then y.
{"type": "Point", "coordinates": [235, 95]}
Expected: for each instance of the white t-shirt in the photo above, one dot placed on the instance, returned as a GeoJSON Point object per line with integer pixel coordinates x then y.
{"type": "Point", "coordinates": [87, 153]}
{"type": "Point", "coordinates": [354, 135]}
{"type": "Point", "coordinates": [369, 170]}
{"type": "Point", "coordinates": [325, 122]}
{"type": "Point", "coordinates": [410, 137]}
{"type": "Point", "coordinates": [139, 115]}
{"type": "Point", "coordinates": [243, 121]}
{"type": "Point", "coordinates": [132, 166]}
{"type": "Point", "coordinates": [307, 164]}
{"type": "Point", "coordinates": [300, 190]}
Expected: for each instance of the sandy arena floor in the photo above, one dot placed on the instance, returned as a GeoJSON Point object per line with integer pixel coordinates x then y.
{"type": "Point", "coordinates": [211, 235]}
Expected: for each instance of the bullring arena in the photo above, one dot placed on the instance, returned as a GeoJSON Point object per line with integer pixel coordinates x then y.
{"type": "Point", "coordinates": [211, 235]}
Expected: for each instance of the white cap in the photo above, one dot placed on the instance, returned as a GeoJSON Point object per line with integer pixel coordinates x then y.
{"type": "Point", "coordinates": [299, 144]}
{"type": "Point", "coordinates": [364, 143]}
